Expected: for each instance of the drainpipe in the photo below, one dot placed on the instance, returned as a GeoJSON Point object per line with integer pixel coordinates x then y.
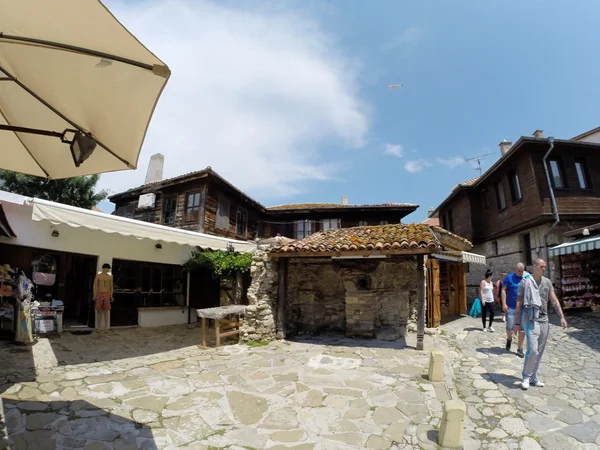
{"type": "Point", "coordinates": [552, 198]}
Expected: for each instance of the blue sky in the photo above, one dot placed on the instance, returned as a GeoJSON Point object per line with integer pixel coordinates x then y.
{"type": "Point", "coordinates": [289, 102]}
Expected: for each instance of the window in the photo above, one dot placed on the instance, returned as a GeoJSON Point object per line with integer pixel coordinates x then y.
{"type": "Point", "coordinates": [192, 207]}
{"type": "Point", "coordinates": [557, 174]}
{"type": "Point", "coordinates": [515, 186]}
{"type": "Point", "coordinates": [450, 221]}
{"type": "Point", "coordinates": [223, 214]}
{"type": "Point", "coordinates": [500, 199]}
{"type": "Point", "coordinates": [331, 224]}
{"type": "Point", "coordinates": [363, 223]}
{"type": "Point", "coordinates": [443, 221]}
{"type": "Point", "coordinates": [582, 175]}
{"type": "Point", "coordinates": [303, 229]}
{"type": "Point", "coordinates": [495, 248]}
{"type": "Point", "coordinates": [169, 209]}
{"type": "Point", "coordinates": [383, 222]}
{"type": "Point", "coordinates": [527, 249]}
{"type": "Point", "coordinates": [486, 199]}
{"type": "Point", "coordinates": [241, 222]}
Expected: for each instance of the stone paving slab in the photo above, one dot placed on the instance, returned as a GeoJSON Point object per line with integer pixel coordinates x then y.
{"type": "Point", "coordinates": [562, 415]}
{"type": "Point", "coordinates": [155, 389]}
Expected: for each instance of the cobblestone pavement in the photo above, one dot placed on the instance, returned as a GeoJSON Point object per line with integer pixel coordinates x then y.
{"type": "Point", "coordinates": [155, 389]}
{"type": "Point", "coordinates": [565, 414]}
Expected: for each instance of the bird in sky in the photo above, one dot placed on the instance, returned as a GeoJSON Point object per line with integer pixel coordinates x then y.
{"type": "Point", "coordinates": [394, 86]}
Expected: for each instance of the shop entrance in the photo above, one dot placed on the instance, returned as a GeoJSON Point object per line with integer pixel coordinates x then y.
{"type": "Point", "coordinates": [446, 291]}
{"type": "Point", "coordinates": [73, 283]}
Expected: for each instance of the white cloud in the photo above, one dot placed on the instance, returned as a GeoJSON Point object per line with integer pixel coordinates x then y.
{"type": "Point", "coordinates": [253, 93]}
{"type": "Point", "coordinates": [452, 162]}
{"type": "Point", "coordinates": [416, 166]}
{"type": "Point", "coordinates": [394, 150]}
{"type": "Point", "coordinates": [408, 36]}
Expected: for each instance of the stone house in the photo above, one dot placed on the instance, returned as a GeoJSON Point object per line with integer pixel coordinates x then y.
{"type": "Point", "coordinates": [523, 204]}
{"type": "Point", "coordinates": [365, 282]}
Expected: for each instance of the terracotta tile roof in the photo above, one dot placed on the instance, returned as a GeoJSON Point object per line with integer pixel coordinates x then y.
{"type": "Point", "coordinates": [338, 205]}
{"type": "Point", "coordinates": [467, 183]}
{"type": "Point", "coordinates": [432, 221]}
{"type": "Point", "coordinates": [380, 237]}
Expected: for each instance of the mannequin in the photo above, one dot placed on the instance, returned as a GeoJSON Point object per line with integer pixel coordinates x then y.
{"type": "Point", "coordinates": [103, 296]}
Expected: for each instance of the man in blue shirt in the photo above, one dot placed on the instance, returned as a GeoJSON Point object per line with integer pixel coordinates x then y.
{"type": "Point", "coordinates": [510, 289]}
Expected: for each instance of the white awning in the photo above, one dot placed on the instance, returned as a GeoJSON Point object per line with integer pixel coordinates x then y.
{"type": "Point", "coordinates": [57, 213]}
{"type": "Point", "coordinates": [464, 257]}
{"type": "Point", "coordinates": [582, 245]}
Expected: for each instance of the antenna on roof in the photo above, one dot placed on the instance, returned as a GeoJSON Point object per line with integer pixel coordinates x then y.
{"type": "Point", "coordinates": [478, 159]}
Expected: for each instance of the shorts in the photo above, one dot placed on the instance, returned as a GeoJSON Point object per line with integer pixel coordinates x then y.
{"type": "Point", "coordinates": [102, 302]}
{"type": "Point", "coordinates": [510, 319]}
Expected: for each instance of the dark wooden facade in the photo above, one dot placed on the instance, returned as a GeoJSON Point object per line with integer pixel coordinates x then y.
{"type": "Point", "coordinates": [478, 213]}
{"type": "Point", "coordinates": [205, 202]}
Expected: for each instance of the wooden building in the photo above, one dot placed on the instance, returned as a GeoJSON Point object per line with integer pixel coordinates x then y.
{"type": "Point", "coordinates": [507, 212]}
{"type": "Point", "coordinates": [204, 201]}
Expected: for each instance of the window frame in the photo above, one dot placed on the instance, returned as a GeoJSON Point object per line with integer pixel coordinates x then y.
{"type": "Point", "coordinates": [450, 221]}
{"type": "Point", "coordinates": [245, 221]}
{"type": "Point", "coordinates": [166, 199]}
{"type": "Point", "coordinates": [384, 222]}
{"type": "Point", "coordinates": [499, 188]}
{"type": "Point", "coordinates": [221, 200]}
{"type": "Point", "coordinates": [486, 198]}
{"type": "Point", "coordinates": [189, 194]}
{"type": "Point", "coordinates": [307, 229]}
{"type": "Point", "coordinates": [584, 173]}
{"type": "Point", "coordinates": [326, 224]}
{"type": "Point", "coordinates": [516, 193]}
{"type": "Point", "coordinates": [561, 173]}
{"type": "Point", "coordinates": [363, 223]}
{"type": "Point", "coordinates": [527, 249]}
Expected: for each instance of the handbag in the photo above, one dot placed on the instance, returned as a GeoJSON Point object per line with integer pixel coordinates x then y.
{"type": "Point", "coordinates": [476, 308]}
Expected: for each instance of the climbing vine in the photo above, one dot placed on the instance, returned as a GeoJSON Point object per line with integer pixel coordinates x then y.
{"type": "Point", "coordinates": [223, 264]}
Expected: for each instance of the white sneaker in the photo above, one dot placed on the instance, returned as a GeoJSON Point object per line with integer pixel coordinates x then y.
{"type": "Point", "coordinates": [538, 383]}
{"type": "Point", "coordinates": [491, 329]}
{"type": "Point", "coordinates": [525, 383]}
{"type": "Point", "coordinates": [503, 318]}
{"type": "Point", "coordinates": [484, 330]}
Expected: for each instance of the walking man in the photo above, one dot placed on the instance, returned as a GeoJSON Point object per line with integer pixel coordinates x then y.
{"type": "Point", "coordinates": [510, 287]}
{"type": "Point", "coordinates": [535, 292]}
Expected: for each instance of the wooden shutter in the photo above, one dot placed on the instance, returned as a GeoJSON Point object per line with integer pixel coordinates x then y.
{"type": "Point", "coordinates": [462, 289]}
{"type": "Point", "coordinates": [434, 315]}
{"type": "Point", "coordinates": [223, 214]}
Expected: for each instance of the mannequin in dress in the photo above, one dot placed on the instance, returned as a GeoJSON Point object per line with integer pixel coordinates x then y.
{"type": "Point", "coordinates": [103, 296]}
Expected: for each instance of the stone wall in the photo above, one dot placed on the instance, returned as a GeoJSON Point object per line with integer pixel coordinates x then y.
{"type": "Point", "coordinates": [361, 298]}
{"type": "Point", "coordinates": [259, 322]}
{"type": "Point", "coordinates": [315, 297]}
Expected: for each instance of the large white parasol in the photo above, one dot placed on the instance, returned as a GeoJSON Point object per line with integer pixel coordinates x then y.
{"type": "Point", "coordinates": [77, 90]}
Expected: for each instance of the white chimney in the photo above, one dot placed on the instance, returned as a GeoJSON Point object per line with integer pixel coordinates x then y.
{"type": "Point", "coordinates": [155, 168]}
{"type": "Point", "coordinates": [505, 146]}
{"type": "Point", "coordinates": [344, 199]}
{"type": "Point", "coordinates": [538, 133]}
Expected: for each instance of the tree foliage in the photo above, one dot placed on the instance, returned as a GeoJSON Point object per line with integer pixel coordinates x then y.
{"type": "Point", "coordinates": [223, 265]}
{"type": "Point", "coordinates": [76, 191]}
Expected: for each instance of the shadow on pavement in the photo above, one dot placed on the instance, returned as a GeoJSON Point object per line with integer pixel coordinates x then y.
{"type": "Point", "coordinates": [16, 364]}
{"type": "Point", "coordinates": [509, 381]}
{"type": "Point", "coordinates": [493, 350]}
{"type": "Point", "coordinates": [334, 339]}
{"type": "Point", "coordinates": [77, 424]}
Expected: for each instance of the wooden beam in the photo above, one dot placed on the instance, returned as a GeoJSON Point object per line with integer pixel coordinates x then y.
{"type": "Point", "coordinates": [282, 297]}
{"type": "Point", "coordinates": [420, 302]}
{"type": "Point", "coordinates": [360, 253]}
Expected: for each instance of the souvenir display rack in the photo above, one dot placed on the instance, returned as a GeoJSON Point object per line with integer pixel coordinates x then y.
{"type": "Point", "coordinates": [9, 311]}
{"type": "Point", "coordinates": [580, 280]}
{"type": "Point", "coordinates": [444, 286]}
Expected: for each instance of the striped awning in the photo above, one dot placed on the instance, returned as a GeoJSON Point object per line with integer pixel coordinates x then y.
{"type": "Point", "coordinates": [464, 257]}
{"type": "Point", "coordinates": [582, 245]}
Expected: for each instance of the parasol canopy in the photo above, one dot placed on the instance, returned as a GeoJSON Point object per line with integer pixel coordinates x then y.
{"type": "Point", "coordinates": [77, 89]}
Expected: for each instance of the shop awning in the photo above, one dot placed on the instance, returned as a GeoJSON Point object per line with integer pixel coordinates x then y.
{"type": "Point", "coordinates": [464, 257]}
{"type": "Point", "coordinates": [5, 229]}
{"type": "Point", "coordinates": [57, 214]}
{"type": "Point", "coordinates": [582, 245]}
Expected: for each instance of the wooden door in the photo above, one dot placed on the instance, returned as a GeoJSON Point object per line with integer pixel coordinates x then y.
{"type": "Point", "coordinates": [434, 315]}
{"type": "Point", "coordinates": [462, 289]}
